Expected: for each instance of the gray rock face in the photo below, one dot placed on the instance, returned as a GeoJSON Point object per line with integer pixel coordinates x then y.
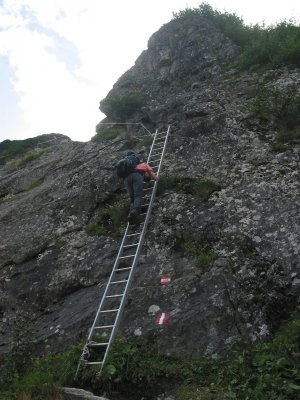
{"type": "Point", "coordinates": [51, 268]}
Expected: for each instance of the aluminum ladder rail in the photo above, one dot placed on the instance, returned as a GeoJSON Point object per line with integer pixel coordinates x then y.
{"type": "Point", "coordinates": [109, 313]}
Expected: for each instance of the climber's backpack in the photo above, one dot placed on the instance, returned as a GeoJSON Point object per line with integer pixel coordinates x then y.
{"type": "Point", "coordinates": [127, 165]}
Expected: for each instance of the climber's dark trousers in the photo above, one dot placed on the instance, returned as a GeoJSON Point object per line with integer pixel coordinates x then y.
{"type": "Point", "coordinates": [134, 186]}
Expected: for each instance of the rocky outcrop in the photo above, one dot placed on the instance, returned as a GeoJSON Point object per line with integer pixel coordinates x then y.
{"type": "Point", "coordinates": [180, 56]}
{"type": "Point", "coordinates": [233, 256]}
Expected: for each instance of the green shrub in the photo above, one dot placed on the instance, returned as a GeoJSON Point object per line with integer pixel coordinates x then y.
{"type": "Point", "coordinates": [279, 147]}
{"type": "Point", "coordinates": [12, 149]}
{"type": "Point", "coordinates": [196, 186]}
{"type": "Point", "coordinates": [288, 136]}
{"type": "Point", "coordinates": [106, 134]}
{"type": "Point", "coordinates": [204, 257]}
{"type": "Point", "coordinates": [19, 358]}
{"type": "Point", "coordinates": [275, 46]}
{"type": "Point", "coordinates": [95, 230]}
{"type": "Point", "coordinates": [230, 24]}
{"type": "Point", "coordinates": [111, 221]}
{"type": "Point", "coordinates": [246, 371]}
{"type": "Point", "coordinates": [44, 378]}
{"type": "Point", "coordinates": [122, 107]}
{"type": "Point", "coordinates": [146, 141]}
{"type": "Point", "coordinates": [283, 109]}
{"type": "Point", "coordinates": [28, 157]}
{"type": "Point", "coordinates": [261, 47]}
{"type": "Point", "coordinates": [59, 243]}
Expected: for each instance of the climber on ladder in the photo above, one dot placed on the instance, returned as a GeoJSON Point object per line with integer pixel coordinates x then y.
{"type": "Point", "coordinates": [134, 174]}
{"type": "Point", "coordinates": [112, 304]}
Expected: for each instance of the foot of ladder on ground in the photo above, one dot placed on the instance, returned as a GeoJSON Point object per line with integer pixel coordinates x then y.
{"type": "Point", "coordinates": [109, 313]}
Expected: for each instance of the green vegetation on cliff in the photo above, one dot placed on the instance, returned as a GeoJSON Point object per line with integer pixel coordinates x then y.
{"type": "Point", "coordinates": [271, 46]}
{"type": "Point", "coordinates": [282, 108]}
{"type": "Point", "coordinates": [201, 187]}
{"type": "Point", "coordinates": [121, 107]}
{"type": "Point", "coordinates": [249, 371]}
{"type": "Point", "coordinates": [27, 149]}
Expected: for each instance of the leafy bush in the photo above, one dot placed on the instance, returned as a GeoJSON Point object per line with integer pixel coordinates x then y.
{"type": "Point", "coordinates": [111, 221]}
{"type": "Point", "coordinates": [28, 157]}
{"type": "Point", "coordinates": [59, 243]}
{"type": "Point", "coordinates": [246, 371]}
{"type": "Point", "coordinates": [106, 134]}
{"type": "Point", "coordinates": [230, 24]}
{"type": "Point", "coordinates": [199, 187]}
{"type": "Point", "coordinates": [146, 141]}
{"type": "Point", "coordinates": [11, 149]}
{"type": "Point", "coordinates": [275, 46]}
{"type": "Point", "coordinates": [95, 230]}
{"type": "Point", "coordinates": [288, 136]}
{"type": "Point", "coordinates": [19, 358]}
{"type": "Point", "coordinates": [265, 47]}
{"type": "Point", "coordinates": [283, 109]}
{"type": "Point", "coordinates": [203, 256]}
{"type": "Point", "coordinates": [44, 378]}
{"type": "Point", "coordinates": [122, 107]}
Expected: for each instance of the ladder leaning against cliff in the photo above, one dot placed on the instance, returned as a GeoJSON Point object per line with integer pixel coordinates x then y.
{"type": "Point", "coordinates": [110, 310]}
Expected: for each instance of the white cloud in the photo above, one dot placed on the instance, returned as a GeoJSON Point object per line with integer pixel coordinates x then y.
{"type": "Point", "coordinates": [67, 54]}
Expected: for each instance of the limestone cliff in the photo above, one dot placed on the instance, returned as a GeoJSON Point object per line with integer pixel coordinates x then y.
{"type": "Point", "coordinates": [233, 252]}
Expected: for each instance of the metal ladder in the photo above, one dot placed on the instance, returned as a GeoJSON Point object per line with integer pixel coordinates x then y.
{"type": "Point", "coordinates": [112, 304]}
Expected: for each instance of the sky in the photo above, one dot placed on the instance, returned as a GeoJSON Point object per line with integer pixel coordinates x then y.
{"type": "Point", "coordinates": [59, 58]}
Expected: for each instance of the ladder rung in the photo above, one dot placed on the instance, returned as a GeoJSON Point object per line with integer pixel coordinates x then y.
{"type": "Point", "coordinates": [148, 188]}
{"type": "Point", "coordinates": [93, 362]}
{"type": "Point", "coordinates": [122, 269]}
{"type": "Point", "coordinates": [134, 234]}
{"type": "Point", "coordinates": [94, 344]}
{"type": "Point", "coordinates": [162, 133]}
{"type": "Point", "coordinates": [156, 151]}
{"type": "Point", "coordinates": [104, 327]}
{"type": "Point", "coordinates": [130, 256]}
{"type": "Point", "coordinates": [127, 246]}
{"type": "Point", "coordinates": [116, 282]}
{"type": "Point", "coordinates": [114, 295]}
{"type": "Point", "coordinates": [109, 311]}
